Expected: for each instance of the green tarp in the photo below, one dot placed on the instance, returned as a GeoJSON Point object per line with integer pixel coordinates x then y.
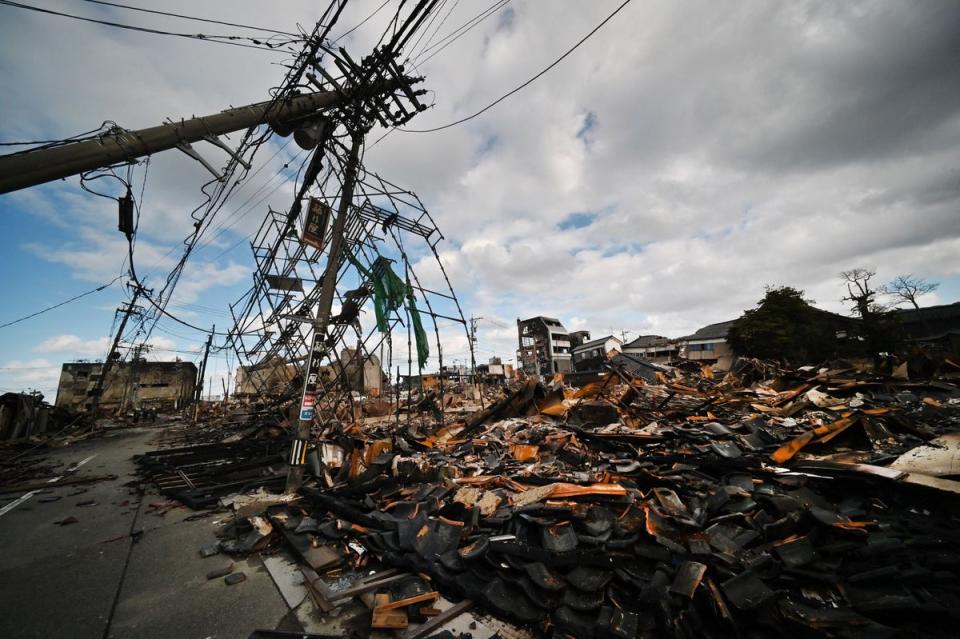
{"type": "Point", "coordinates": [389, 292]}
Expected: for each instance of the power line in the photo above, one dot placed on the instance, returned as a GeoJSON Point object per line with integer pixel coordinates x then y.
{"type": "Point", "coordinates": [185, 17]}
{"type": "Point", "coordinates": [50, 308]}
{"type": "Point", "coordinates": [429, 23]}
{"type": "Point", "coordinates": [462, 30]}
{"type": "Point", "coordinates": [59, 142]}
{"type": "Point", "coordinates": [439, 26]}
{"type": "Point", "coordinates": [217, 39]}
{"type": "Point", "coordinates": [528, 82]}
{"type": "Point", "coordinates": [176, 319]}
{"type": "Point", "coordinates": [362, 22]}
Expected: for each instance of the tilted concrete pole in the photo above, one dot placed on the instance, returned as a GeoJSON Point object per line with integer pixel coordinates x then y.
{"type": "Point", "coordinates": [29, 168]}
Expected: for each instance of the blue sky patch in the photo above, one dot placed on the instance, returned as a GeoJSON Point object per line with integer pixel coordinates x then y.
{"type": "Point", "coordinates": [589, 123]}
{"type": "Point", "coordinates": [577, 221]}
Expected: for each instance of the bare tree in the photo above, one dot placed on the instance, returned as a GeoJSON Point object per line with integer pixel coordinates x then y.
{"type": "Point", "coordinates": [907, 288]}
{"type": "Point", "coordinates": [859, 291]}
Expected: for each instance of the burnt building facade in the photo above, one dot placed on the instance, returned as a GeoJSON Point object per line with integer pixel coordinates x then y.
{"type": "Point", "coordinates": [544, 346]}
{"type": "Point", "coordinates": [593, 355]}
{"type": "Point", "coordinates": [165, 386]}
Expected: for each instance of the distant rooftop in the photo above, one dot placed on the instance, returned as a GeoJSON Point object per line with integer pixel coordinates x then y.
{"type": "Point", "coordinates": [648, 340]}
{"type": "Point", "coordinates": [712, 331]}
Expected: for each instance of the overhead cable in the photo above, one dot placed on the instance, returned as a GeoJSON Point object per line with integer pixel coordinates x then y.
{"type": "Point", "coordinates": [72, 299]}
{"type": "Point", "coordinates": [528, 82]}
{"type": "Point", "coordinates": [461, 31]}
{"type": "Point", "coordinates": [362, 22]}
{"type": "Point", "coordinates": [185, 17]}
{"type": "Point", "coordinates": [218, 39]}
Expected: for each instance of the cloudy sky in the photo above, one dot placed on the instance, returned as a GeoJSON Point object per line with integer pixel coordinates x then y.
{"type": "Point", "coordinates": [685, 157]}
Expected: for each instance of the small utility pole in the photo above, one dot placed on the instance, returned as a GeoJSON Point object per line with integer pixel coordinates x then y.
{"type": "Point", "coordinates": [112, 353]}
{"type": "Point", "coordinates": [133, 380]}
{"type": "Point", "coordinates": [198, 391]}
{"type": "Point", "coordinates": [473, 359]}
{"type": "Point", "coordinates": [301, 434]}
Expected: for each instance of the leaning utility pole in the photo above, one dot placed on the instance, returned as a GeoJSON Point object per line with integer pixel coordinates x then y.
{"type": "Point", "coordinates": [198, 391]}
{"type": "Point", "coordinates": [133, 380]}
{"type": "Point", "coordinates": [308, 399]}
{"type": "Point", "coordinates": [36, 166]}
{"type": "Point", "coordinates": [112, 354]}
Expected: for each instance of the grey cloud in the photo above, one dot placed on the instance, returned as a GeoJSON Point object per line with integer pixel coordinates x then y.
{"type": "Point", "coordinates": [733, 146]}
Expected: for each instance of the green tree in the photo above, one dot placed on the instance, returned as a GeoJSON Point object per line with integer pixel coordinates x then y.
{"type": "Point", "coordinates": [786, 327]}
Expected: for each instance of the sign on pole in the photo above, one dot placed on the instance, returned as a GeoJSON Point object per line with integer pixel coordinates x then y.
{"type": "Point", "coordinates": [318, 217]}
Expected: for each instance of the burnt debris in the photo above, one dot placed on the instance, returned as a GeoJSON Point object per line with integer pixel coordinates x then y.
{"type": "Point", "coordinates": [770, 502]}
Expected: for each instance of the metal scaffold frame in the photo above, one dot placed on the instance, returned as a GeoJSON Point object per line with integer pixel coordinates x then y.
{"type": "Point", "coordinates": [387, 226]}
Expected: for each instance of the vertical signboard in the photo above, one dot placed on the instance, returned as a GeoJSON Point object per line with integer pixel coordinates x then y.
{"type": "Point", "coordinates": [318, 217]}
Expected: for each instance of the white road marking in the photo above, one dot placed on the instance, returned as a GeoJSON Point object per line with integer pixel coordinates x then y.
{"type": "Point", "coordinates": [25, 497]}
{"type": "Point", "coordinates": [14, 504]}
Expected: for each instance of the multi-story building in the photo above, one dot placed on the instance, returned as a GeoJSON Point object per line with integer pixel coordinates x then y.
{"type": "Point", "coordinates": [709, 345]}
{"type": "Point", "coordinates": [129, 385]}
{"type": "Point", "coordinates": [544, 346]}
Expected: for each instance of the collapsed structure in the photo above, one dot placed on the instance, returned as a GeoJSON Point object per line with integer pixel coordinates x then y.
{"type": "Point", "coordinates": [766, 502]}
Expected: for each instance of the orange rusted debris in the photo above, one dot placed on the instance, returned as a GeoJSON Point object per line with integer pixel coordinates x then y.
{"type": "Point", "coordinates": [375, 448]}
{"type": "Point", "coordinates": [826, 433]}
{"type": "Point", "coordinates": [556, 410]}
{"type": "Point", "coordinates": [573, 490]}
{"type": "Point", "coordinates": [524, 452]}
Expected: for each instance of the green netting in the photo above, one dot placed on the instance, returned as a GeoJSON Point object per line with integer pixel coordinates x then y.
{"type": "Point", "coordinates": [423, 348]}
{"type": "Point", "coordinates": [389, 292]}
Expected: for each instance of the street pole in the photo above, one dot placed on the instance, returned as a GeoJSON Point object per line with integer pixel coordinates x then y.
{"type": "Point", "coordinates": [473, 360]}
{"type": "Point", "coordinates": [308, 400]}
{"type": "Point", "coordinates": [133, 381]}
{"type": "Point", "coordinates": [111, 354]}
{"type": "Point", "coordinates": [198, 391]}
{"type": "Point", "coordinates": [36, 166]}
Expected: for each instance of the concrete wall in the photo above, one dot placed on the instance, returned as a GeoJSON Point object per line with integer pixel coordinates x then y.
{"type": "Point", "coordinates": [163, 385]}
{"type": "Point", "coordinates": [714, 351]}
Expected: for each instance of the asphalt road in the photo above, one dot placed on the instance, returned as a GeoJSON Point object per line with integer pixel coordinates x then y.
{"type": "Point", "coordinates": [102, 577]}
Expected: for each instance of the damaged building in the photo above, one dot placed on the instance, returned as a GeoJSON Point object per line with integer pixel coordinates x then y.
{"type": "Point", "coordinates": [494, 372]}
{"type": "Point", "coordinates": [268, 378]}
{"type": "Point", "coordinates": [363, 373]}
{"type": "Point", "coordinates": [544, 347]}
{"type": "Point", "coordinates": [592, 355]}
{"type": "Point", "coordinates": [129, 385]}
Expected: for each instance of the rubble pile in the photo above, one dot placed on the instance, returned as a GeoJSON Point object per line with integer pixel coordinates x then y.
{"type": "Point", "coordinates": [223, 454]}
{"type": "Point", "coordinates": [767, 502]}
